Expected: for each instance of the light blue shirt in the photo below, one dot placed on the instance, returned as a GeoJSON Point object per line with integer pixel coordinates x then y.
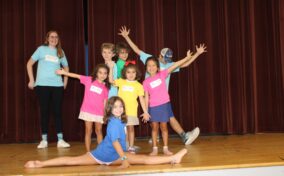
{"type": "Point", "coordinates": [145, 56]}
{"type": "Point", "coordinates": [48, 63]}
{"type": "Point", "coordinates": [113, 90]}
{"type": "Point", "coordinates": [115, 132]}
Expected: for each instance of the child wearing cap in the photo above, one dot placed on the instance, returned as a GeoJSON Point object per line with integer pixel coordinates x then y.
{"type": "Point", "coordinates": [166, 62]}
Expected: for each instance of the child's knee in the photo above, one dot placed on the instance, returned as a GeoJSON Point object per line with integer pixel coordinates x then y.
{"type": "Point", "coordinates": [164, 127]}
{"type": "Point", "coordinates": [98, 131]}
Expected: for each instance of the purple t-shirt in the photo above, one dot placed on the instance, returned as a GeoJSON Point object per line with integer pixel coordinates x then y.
{"type": "Point", "coordinates": [94, 96]}
{"type": "Point", "coordinates": [157, 88]}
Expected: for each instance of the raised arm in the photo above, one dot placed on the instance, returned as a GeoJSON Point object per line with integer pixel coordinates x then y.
{"type": "Point", "coordinates": [63, 72]}
{"type": "Point", "coordinates": [110, 64]}
{"type": "Point", "coordinates": [124, 32]}
{"type": "Point", "coordinates": [199, 50]}
{"type": "Point", "coordinates": [180, 62]}
{"type": "Point", "coordinates": [30, 64]}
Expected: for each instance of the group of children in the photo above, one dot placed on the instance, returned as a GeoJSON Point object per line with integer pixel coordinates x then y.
{"type": "Point", "coordinates": [104, 102]}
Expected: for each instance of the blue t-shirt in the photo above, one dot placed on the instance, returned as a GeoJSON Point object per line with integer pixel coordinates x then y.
{"type": "Point", "coordinates": [113, 90]}
{"type": "Point", "coordinates": [48, 63]}
{"type": "Point", "coordinates": [115, 131]}
{"type": "Point", "coordinates": [145, 56]}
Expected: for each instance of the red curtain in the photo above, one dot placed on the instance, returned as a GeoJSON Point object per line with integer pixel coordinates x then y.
{"type": "Point", "coordinates": [23, 28]}
{"type": "Point", "coordinates": [237, 87]}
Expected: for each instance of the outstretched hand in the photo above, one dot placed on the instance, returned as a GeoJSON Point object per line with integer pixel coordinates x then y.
{"type": "Point", "coordinates": [123, 31]}
{"type": "Point", "coordinates": [189, 54]}
{"type": "Point", "coordinates": [201, 48]}
{"type": "Point", "coordinates": [60, 72]}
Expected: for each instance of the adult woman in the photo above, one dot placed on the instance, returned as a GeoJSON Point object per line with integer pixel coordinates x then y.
{"type": "Point", "coordinates": [48, 85]}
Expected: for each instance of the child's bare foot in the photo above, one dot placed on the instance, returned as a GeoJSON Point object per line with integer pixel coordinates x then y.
{"type": "Point", "coordinates": [178, 156]}
{"type": "Point", "coordinates": [166, 151]}
{"type": "Point", "coordinates": [33, 164]}
{"type": "Point", "coordinates": [154, 152]}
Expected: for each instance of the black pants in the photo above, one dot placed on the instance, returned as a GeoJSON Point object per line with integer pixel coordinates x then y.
{"type": "Point", "coordinates": [50, 96]}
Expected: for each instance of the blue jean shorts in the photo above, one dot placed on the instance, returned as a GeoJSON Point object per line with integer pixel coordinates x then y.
{"type": "Point", "coordinates": [161, 113]}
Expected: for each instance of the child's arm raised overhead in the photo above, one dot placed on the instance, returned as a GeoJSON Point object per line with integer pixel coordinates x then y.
{"type": "Point", "coordinates": [65, 73]}
{"type": "Point", "coordinates": [199, 50]}
{"type": "Point", "coordinates": [124, 32]}
{"type": "Point", "coordinates": [180, 62]}
{"type": "Point", "coordinates": [110, 64]}
{"type": "Point", "coordinates": [145, 115]}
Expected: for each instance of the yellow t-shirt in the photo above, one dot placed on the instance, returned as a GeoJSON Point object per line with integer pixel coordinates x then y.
{"type": "Point", "coordinates": [129, 92]}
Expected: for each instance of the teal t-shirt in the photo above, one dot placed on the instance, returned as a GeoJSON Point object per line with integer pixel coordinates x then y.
{"type": "Point", "coordinates": [48, 63]}
{"type": "Point", "coordinates": [120, 65]}
{"type": "Point", "coordinates": [113, 90]}
{"type": "Point", "coordinates": [145, 56]}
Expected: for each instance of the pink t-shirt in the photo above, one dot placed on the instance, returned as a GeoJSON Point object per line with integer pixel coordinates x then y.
{"type": "Point", "coordinates": [157, 88]}
{"type": "Point", "coordinates": [94, 96]}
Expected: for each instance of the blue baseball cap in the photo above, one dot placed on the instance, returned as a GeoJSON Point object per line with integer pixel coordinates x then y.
{"type": "Point", "coordinates": [167, 54]}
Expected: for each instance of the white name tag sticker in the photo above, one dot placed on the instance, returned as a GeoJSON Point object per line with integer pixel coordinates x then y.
{"type": "Point", "coordinates": [51, 58]}
{"type": "Point", "coordinates": [155, 83]}
{"type": "Point", "coordinates": [96, 89]}
{"type": "Point", "coordinates": [128, 88]}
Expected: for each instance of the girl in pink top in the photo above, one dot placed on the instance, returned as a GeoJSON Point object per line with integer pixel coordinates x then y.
{"type": "Point", "coordinates": [158, 99]}
{"type": "Point", "coordinates": [95, 96]}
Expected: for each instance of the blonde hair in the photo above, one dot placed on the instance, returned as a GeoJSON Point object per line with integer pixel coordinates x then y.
{"type": "Point", "coordinates": [109, 46]}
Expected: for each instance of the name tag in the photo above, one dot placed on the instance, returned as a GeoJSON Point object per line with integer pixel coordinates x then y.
{"type": "Point", "coordinates": [51, 58]}
{"type": "Point", "coordinates": [96, 89]}
{"type": "Point", "coordinates": [128, 88]}
{"type": "Point", "coordinates": [155, 83]}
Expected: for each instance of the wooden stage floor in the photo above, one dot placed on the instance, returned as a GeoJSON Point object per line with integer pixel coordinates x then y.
{"type": "Point", "coordinates": [208, 152]}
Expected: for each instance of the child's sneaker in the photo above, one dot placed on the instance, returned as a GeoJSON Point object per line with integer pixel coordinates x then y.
{"type": "Point", "coordinates": [42, 144]}
{"type": "Point", "coordinates": [137, 148]}
{"type": "Point", "coordinates": [191, 136]}
{"type": "Point", "coordinates": [62, 144]}
{"type": "Point", "coordinates": [131, 150]}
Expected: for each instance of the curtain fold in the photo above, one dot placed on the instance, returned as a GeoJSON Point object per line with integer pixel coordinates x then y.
{"type": "Point", "coordinates": [23, 28]}
{"type": "Point", "coordinates": [237, 87]}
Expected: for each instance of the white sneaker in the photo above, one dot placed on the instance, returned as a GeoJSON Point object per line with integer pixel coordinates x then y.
{"type": "Point", "coordinates": [62, 144]}
{"type": "Point", "coordinates": [191, 136]}
{"type": "Point", "coordinates": [42, 144]}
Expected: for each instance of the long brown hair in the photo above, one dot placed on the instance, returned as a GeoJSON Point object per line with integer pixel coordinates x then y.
{"type": "Point", "coordinates": [60, 52]}
{"type": "Point", "coordinates": [109, 107]}
{"type": "Point", "coordinates": [95, 73]}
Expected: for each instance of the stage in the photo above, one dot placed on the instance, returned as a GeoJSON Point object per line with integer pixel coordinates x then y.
{"type": "Point", "coordinates": [207, 153]}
